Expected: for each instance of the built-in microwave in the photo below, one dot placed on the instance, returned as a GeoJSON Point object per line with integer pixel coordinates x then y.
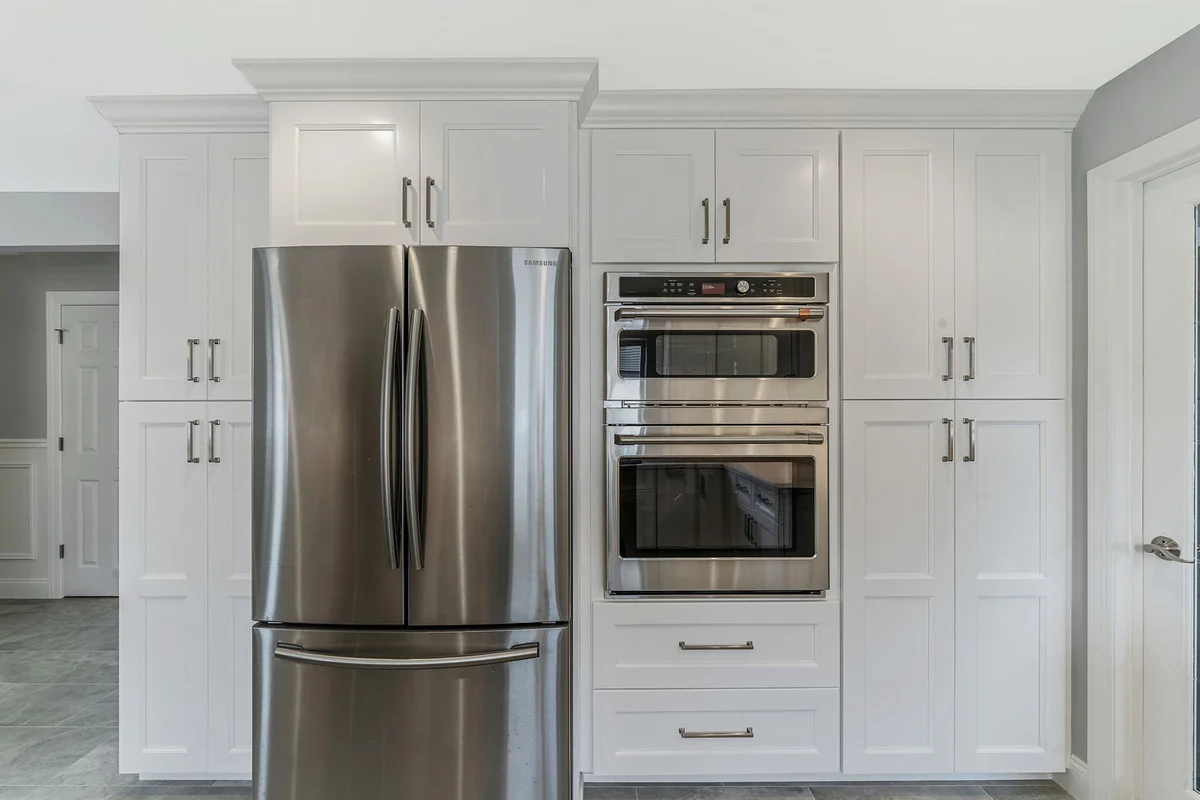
{"type": "Point", "coordinates": [717, 338]}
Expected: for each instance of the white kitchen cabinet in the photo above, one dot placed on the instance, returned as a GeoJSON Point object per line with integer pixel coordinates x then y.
{"type": "Point", "coordinates": [193, 206]}
{"type": "Point", "coordinates": [230, 620]}
{"type": "Point", "coordinates": [897, 264]}
{"type": "Point", "coordinates": [237, 223]}
{"type": "Point", "coordinates": [1011, 263]}
{"type": "Point", "coordinates": [898, 562]}
{"type": "Point", "coordinates": [162, 512]}
{"type": "Point", "coordinates": [496, 173]}
{"type": "Point", "coordinates": [653, 196]}
{"type": "Point", "coordinates": [164, 266]}
{"type": "Point", "coordinates": [185, 517]}
{"type": "Point", "coordinates": [777, 196]}
{"type": "Point", "coordinates": [345, 173]}
{"type": "Point", "coordinates": [1011, 579]}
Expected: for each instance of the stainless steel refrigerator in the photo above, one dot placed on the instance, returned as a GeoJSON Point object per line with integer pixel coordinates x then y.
{"type": "Point", "coordinates": [411, 523]}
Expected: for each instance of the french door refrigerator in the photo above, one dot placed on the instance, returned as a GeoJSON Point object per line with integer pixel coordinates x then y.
{"type": "Point", "coordinates": [411, 473]}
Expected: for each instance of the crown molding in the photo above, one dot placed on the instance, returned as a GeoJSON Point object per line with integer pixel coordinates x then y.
{"type": "Point", "coordinates": [199, 113]}
{"type": "Point", "coordinates": [571, 79]}
{"type": "Point", "coordinates": [838, 108]}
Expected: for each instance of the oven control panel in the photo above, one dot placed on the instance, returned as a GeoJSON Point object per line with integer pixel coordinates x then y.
{"type": "Point", "coordinates": [726, 287]}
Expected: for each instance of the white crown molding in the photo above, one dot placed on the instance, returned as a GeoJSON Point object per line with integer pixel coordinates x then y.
{"type": "Point", "coordinates": [200, 113]}
{"type": "Point", "coordinates": [838, 108]}
{"type": "Point", "coordinates": [570, 79]}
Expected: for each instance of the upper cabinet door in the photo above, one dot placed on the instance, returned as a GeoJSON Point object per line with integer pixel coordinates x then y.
{"type": "Point", "coordinates": [496, 173]}
{"type": "Point", "coordinates": [653, 196]}
{"type": "Point", "coordinates": [344, 173]}
{"type": "Point", "coordinates": [777, 195]}
{"type": "Point", "coordinates": [1011, 263]}
{"type": "Point", "coordinates": [237, 223]}
{"type": "Point", "coordinates": [1011, 564]}
{"type": "Point", "coordinates": [164, 264]}
{"type": "Point", "coordinates": [898, 265]}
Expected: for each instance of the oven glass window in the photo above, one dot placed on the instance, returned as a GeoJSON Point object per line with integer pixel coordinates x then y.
{"type": "Point", "coordinates": [672, 508]}
{"type": "Point", "coordinates": [712, 354]}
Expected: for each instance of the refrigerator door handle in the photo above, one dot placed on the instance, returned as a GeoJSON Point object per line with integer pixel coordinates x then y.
{"type": "Point", "coordinates": [412, 459]}
{"type": "Point", "coordinates": [296, 653]}
{"type": "Point", "coordinates": [387, 434]}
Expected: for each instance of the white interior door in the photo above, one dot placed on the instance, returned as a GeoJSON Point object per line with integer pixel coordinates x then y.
{"type": "Point", "coordinates": [89, 450]}
{"type": "Point", "coordinates": [1168, 484]}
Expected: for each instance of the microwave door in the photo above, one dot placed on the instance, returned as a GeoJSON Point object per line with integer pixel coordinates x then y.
{"type": "Point", "coordinates": [487, 421]}
{"type": "Point", "coordinates": [327, 342]}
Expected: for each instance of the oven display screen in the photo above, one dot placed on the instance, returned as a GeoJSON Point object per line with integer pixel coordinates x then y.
{"type": "Point", "coordinates": [712, 288]}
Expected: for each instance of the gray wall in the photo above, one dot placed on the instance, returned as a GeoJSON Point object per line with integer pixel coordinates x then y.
{"type": "Point", "coordinates": [24, 281]}
{"type": "Point", "coordinates": [1151, 98]}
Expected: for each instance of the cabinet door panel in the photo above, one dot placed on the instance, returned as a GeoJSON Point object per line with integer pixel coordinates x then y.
{"type": "Point", "coordinates": [164, 613]}
{"type": "Point", "coordinates": [500, 173]}
{"type": "Point", "coordinates": [338, 173]}
{"type": "Point", "coordinates": [897, 264]}
{"type": "Point", "coordinates": [1011, 262]}
{"type": "Point", "coordinates": [782, 192]}
{"type": "Point", "coordinates": [898, 546]}
{"type": "Point", "coordinates": [164, 265]}
{"type": "Point", "coordinates": [237, 223]}
{"type": "Point", "coordinates": [648, 194]}
{"type": "Point", "coordinates": [230, 622]}
{"type": "Point", "coordinates": [1011, 544]}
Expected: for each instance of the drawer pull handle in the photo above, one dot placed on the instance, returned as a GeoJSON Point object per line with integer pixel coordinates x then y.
{"type": "Point", "coordinates": [746, 646]}
{"type": "Point", "coordinates": [746, 734]}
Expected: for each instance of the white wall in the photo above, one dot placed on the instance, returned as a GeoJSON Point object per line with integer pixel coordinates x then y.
{"type": "Point", "coordinates": [52, 54]}
{"type": "Point", "coordinates": [24, 281]}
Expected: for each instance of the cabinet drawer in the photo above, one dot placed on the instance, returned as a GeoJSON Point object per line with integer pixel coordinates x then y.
{"type": "Point", "coordinates": [637, 645]}
{"type": "Point", "coordinates": [778, 731]}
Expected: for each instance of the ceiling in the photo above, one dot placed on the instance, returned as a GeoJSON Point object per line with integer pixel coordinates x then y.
{"type": "Point", "coordinates": [53, 53]}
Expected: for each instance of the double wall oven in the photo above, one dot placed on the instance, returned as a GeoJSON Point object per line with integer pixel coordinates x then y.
{"type": "Point", "coordinates": [717, 428]}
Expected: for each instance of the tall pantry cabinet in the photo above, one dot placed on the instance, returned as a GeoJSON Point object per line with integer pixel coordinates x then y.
{"type": "Point", "coordinates": [954, 371]}
{"type": "Point", "coordinates": [193, 185]}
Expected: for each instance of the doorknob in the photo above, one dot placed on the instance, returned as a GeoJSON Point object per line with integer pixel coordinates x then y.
{"type": "Point", "coordinates": [1166, 548]}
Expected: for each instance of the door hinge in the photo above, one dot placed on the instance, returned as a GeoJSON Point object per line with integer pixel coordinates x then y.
{"type": "Point", "coordinates": [62, 551]}
{"type": "Point", "coordinates": [60, 444]}
{"type": "Point", "coordinates": [61, 331]}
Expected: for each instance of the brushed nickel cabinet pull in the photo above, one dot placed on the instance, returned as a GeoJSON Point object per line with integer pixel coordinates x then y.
{"type": "Point", "coordinates": [949, 342]}
{"type": "Point", "coordinates": [969, 341]}
{"type": "Point", "coordinates": [970, 423]}
{"type": "Point", "coordinates": [949, 423]}
{"type": "Point", "coordinates": [704, 204]}
{"type": "Point", "coordinates": [406, 185]}
{"type": "Point", "coordinates": [429, 200]}
{"type": "Point", "coordinates": [191, 360]}
{"type": "Point", "coordinates": [746, 734]}
{"type": "Point", "coordinates": [213, 458]}
{"type": "Point", "coordinates": [191, 441]}
{"type": "Point", "coordinates": [747, 646]}
{"type": "Point", "coordinates": [728, 224]}
{"type": "Point", "coordinates": [212, 360]}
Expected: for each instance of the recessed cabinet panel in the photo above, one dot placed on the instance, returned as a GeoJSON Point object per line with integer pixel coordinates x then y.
{"type": "Point", "coordinates": [653, 196]}
{"type": "Point", "coordinates": [1011, 262]}
{"type": "Point", "coordinates": [163, 265]}
{"type": "Point", "coordinates": [1010, 551]}
{"type": "Point", "coordinates": [499, 174]}
{"type": "Point", "coordinates": [339, 170]}
{"type": "Point", "coordinates": [898, 264]}
{"type": "Point", "coordinates": [898, 551]}
{"type": "Point", "coordinates": [777, 195]}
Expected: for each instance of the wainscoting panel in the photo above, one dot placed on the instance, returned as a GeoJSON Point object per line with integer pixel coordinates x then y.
{"type": "Point", "coordinates": [24, 518]}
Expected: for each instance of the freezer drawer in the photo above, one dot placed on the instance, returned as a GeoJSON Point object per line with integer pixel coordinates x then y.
{"type": "Point", "coordinates": [406, 715]}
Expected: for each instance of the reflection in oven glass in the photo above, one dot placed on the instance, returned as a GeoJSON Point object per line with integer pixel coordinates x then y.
{"type": "Point", "coordinates": [709, 354]}
{"type": "Point", "coordinates": [707, 509]}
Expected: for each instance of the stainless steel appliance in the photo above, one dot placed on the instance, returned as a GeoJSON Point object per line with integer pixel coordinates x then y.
{"type": "Point", "coordinates": [717, 338]}
{"type": "Point", "coordinates": [411, 472]}
{"type": "Point", "coordinates": [717, 499]}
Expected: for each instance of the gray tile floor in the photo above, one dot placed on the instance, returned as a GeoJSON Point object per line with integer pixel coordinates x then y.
{"type": "Point", "coordinates": [1007, 790]}
{"type": "Point", "coordinates": [58, 706]}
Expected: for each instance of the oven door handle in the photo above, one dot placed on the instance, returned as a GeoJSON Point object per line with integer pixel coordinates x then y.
{"type": "Point", "coordinates": [796, 313]}
{"type": "Point", "coordinates": [799, 438]}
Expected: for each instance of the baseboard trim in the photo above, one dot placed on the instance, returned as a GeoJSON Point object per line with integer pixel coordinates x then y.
{"type": "Point", "coordinates": [33, 589]}
{"type": "Point", "coordinates": [1075, 780]}
{"type": "Point", "coordinates": [193, 776]}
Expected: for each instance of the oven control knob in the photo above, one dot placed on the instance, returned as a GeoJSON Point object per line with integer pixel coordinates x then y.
{"type": "Point", "coordinates": [743, 287]}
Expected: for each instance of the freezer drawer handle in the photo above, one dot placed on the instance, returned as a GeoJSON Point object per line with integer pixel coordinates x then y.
{"type": "Point", "coordinates": [296, 653]}
{"type": "Point", "coordinates": [746, 646]}
{"type": "Point", "coordinates": [746, 734]}
{"type": "Point", "coordinates": [387, 436]}
{"type": "Point", "coordinates": [800, 438]}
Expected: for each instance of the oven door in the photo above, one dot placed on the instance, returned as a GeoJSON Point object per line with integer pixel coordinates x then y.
{"type": "Point", "coordinates": [718, 354]}
{"type": "Point", "coordinates": [718, 509]}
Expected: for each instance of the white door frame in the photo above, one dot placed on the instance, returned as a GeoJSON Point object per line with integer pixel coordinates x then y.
{"type": "Point", "coordinates": [1114, 457]}
{"type": "Point", "coordinates": [54, 305]}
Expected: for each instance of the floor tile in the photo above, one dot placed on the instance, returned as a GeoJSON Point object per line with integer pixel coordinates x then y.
{"type": "Point", "coordinates": [101, 714]}
{"type": "Point", "coordinates": [601, 791]}
{"type": "Point", "coordinates": [44, 704]}
{"type": "Point", "coordinates": [97, 768]}
{"type": "Point", "coordinates": [1045, 791]}
{"type": "Point", "coordinates": [53, 666]}
{"type": "Point", "coordinates": [62, 637]}
{"type": "Point", "coordinates": [78, 611]}
{"type": "Point", "coordinates": [33, 756]}
{"type": "Point", "coordinates": [898, 791]}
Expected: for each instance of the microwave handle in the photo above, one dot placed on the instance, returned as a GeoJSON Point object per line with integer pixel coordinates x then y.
{"type": "Point", "coordinates": [798, 313]}
{"type": "Point", "coordinates": [800, 438]}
